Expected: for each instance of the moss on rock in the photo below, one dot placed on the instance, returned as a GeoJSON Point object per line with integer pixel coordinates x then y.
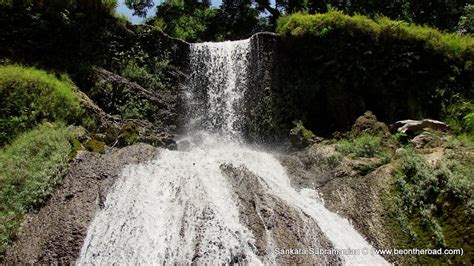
{"type": "Point", "coordinates": [96, 146]}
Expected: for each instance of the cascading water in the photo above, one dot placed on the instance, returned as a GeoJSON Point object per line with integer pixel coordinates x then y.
{"type": "Point", "coordinates": [218, 81]}
{"type": "Point", "coordinates": [215, 200]}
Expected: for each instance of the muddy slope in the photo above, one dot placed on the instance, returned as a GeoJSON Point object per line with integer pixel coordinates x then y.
{"type": "Point", "coordinates": [55, 233]}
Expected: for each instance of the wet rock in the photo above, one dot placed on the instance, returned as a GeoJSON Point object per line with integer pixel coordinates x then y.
{"type": "Point", "coordinates": [300, 137]}
{"type": "Point", "coordinates": [272, 220]}
{"type": "Point", "coordinates": [352, 188]}
{"type": "Point", "coordinates": [368, 123]}
{"type": "Point", "coordinates": [314, 167]}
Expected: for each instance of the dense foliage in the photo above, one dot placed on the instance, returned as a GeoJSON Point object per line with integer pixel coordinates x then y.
{"type": "Point", "coordinates": [29, 96]}
{"type": "Point", "coordinates": [29, 168]}
{"type": "Point", "coordinates": [466, 22]}
{"type": "Point", "coordinates": [195, 20]}
{"type": "Point", "coordinates": [438, 13]}
{"type": "Point", "coordinates": [345, 65]}
{"type": "Point", "coordinates": [435, 204]}
{"type": "Point", "coordinates": [323, 24]}
{"type": "Point", "coordinates": [199, 21]}
{"type": "Point", "coordinates": [64, 35]}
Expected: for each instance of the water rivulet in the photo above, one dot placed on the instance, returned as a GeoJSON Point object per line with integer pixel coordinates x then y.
{"type": "Point", "coordinates": [216, 199]}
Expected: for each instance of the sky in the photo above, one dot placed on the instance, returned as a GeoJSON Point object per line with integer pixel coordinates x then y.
{"type": "Point", "coordinates": [122, 9]}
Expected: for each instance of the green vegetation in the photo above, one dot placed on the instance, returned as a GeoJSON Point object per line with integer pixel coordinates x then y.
{"type": "Point", "coordinates": [434, 205]}
{"type": "Point", "coordinates": [29, 96]}
{"type": "Point", "coordinates": [94, 145]}
{"type": "Point", "coordinates": [460, 117]}
{"type": "Point", "coordinates": [446, 15]}
{"type": "Point", "coordinates": [197, 21]}
{"type": "Point", "coordinates": [146, 71]}
{"type": "Point", "coordinates": [331, 67]}
{"type": "Point", "coordinates": [466, 22]}
{"type": "Point", "coordinates": [30, 167]}
{"type": "Point", "coordinates": [301, 137]}
{"type": "Point", "coordinates": [346, 65]}
{"type": "Point", "coordinates": [301, 24]}
{"type": "Point", "coordinates": [365, 145]}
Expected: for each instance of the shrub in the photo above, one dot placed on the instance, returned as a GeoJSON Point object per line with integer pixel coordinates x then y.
{"type": "Point", "coordinates": [362, 146]}
{"type": "Point", "coordinates": [149, 77]}
{"type": "Point", "coordinates": [29, 169]}
{"type": "Point", "coordinates": [300, 24]}
{"type": "Point", "coordinates": [460, 117]}
{"type": "Point", "coordinates": [29, 96]}
{"type": "Point", "coordinates": [433, 203]}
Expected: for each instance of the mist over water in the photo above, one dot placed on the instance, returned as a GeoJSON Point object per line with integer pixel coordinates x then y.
{"type": "Point", "coordinates": [215, 199]}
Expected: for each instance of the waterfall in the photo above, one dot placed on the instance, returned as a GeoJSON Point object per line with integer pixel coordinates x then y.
{"type": "Point", "coordinates": [217, 83]}
{"type": "Point", "coordinates": [216, 199]}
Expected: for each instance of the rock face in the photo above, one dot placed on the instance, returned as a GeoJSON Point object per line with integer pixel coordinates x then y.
{"type": "Point", "coordinates": [357, 197]}
{"type": "Point", "coordinates": [55, 234]}
{"type": "Point", "coordinates": [300, 137]}
{"type": "Point", "coordinates": [260, 125]}
{"type": "Point", "coordinates": [260, 211]}
{"type": "Point", "coordinates": [118, 96]}
{"type": "Point", "coordinates": [116, 131]}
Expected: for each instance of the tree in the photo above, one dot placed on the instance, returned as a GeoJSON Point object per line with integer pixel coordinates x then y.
{"type": "Point", "coordinates": [466, 22]}
{"type": "Point", "coordinates": [238, 19]}
{"type": "Point", "coordinates": [190, 20]}
{"type": "Point", "coordinates": [139, 7]}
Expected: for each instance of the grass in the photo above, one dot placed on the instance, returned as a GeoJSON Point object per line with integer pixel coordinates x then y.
{"type": "Point", "coordinates": [30, 167]}
{"type": "Point", "coordinates": [300, 24]}
{"type": "Point", "coordinates": [365, 145]}
{"type": "Point", "coordinates": [29, 96]}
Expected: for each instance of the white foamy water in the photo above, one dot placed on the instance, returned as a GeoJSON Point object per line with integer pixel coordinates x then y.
{"type": "Point", "coordinates": [181, 207]}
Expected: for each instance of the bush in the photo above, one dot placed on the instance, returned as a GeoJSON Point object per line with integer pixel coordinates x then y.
{"type": "Point", "coordinates": [460, 117]}
{"type": "Point", "coordinates": [148, 75]}
{"type": "Point", "coordinates": [433, 204]}
{"type": "Point", "coordinates": [362, 146]}
{"type": "Point", "coordinates": [29, 169]}
{"type": "Point", "coordinates": [322, 24]}
{"type": "Point", "coordinates": [29, 96]}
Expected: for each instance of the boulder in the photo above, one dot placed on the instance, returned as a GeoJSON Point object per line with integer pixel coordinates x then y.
{"type": "Point", "coordinates": [368, 123]}
{"type": "Point", "coordinates": [416, 126]}
{"type": "Point", "coordinates": [300, 137]}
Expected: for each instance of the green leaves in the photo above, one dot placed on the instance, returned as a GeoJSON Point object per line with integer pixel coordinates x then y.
{"type": "Point", "coordinates": [139, 7]}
